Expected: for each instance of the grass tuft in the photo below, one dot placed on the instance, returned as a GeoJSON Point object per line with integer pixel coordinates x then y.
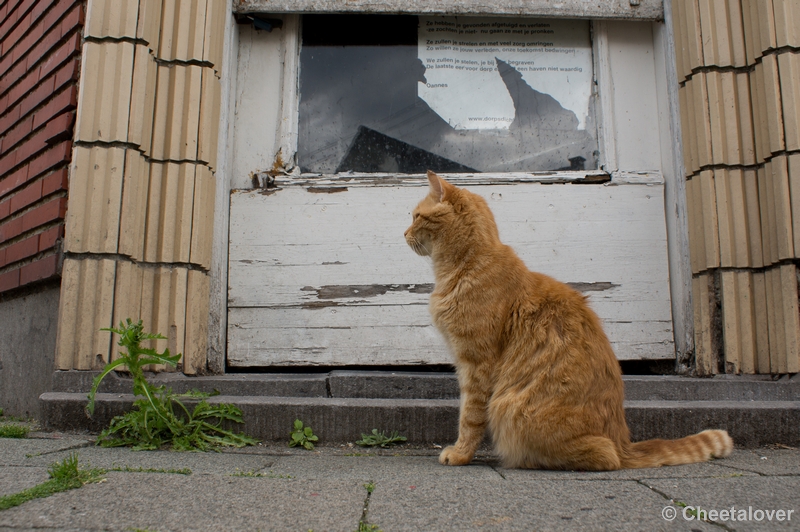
{"type": "Point", "coordinates": [64, 476]}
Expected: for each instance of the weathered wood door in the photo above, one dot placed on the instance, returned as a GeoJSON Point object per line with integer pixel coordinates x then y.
{"type": "Point", "coordinates": [320, 274]}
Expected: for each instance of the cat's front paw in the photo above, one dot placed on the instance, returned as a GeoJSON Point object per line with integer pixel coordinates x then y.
{"type": "Point", "coordinates": [451, 456]}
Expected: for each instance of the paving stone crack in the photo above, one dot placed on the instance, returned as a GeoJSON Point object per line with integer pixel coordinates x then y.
{"type": "Point", "coordinates": [677, 503]}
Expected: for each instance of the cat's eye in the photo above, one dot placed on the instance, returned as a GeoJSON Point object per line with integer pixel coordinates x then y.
{"type": "Point", "coordinates": [416, 215]}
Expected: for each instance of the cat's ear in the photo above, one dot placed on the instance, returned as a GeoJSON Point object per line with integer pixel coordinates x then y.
{"type": "Point", "coordinates": [439, 187]}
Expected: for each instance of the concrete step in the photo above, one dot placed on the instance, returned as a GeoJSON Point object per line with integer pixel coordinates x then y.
{"type": "Point", "coordinates": [340, 405]}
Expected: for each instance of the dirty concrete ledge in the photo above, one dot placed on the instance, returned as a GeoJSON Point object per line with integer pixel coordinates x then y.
{"type": "Point", "coordinates": [340, 405]}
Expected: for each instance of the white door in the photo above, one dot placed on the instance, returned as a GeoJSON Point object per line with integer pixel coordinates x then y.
{"type": "Point", "coordinates": [319, 272]}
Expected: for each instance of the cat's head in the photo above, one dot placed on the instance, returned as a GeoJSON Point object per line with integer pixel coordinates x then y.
{"type": "Point", "coordinates": [450, 219]}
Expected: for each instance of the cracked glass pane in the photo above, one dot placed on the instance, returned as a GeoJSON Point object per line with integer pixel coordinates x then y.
{"type": "Point", "coordinates": [404, 94]}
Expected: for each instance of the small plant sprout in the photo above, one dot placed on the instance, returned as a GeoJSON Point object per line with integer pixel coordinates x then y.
{"type": "Point", "coordinates": [160, 416]}
{"type": "Point", "coordinates": [302, 436]}
{"type": "Point", "coordinates": [379, 439]}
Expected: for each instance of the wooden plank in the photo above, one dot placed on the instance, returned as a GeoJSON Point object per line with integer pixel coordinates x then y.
{"type": "Point", "coordinates": [354, 267]}
{"type": "Point", "coordinates": [702, 120]}
{"type": "Point", "coordinates": [615, 9]}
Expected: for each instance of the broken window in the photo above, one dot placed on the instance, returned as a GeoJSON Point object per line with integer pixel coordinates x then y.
{"type": "Point", "coordinates": [403, 94]}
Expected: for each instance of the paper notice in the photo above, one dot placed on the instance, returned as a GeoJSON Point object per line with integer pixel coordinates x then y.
{"type": "Point", "coordinates": [463, 85]}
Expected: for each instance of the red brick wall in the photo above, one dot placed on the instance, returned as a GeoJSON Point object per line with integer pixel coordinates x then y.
{"type": "Point", "coordinates": [40, 44]}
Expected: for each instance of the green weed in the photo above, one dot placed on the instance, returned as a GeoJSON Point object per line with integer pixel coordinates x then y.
{"type": "Point", "coordinates": [160, 416]}
{"type": "Point", "coordinates": [302, 436]}
{"type": "Point", "coordinates": [14, 431]}
{"type": "Point", "coordinates": [128, 469]}
{"type": "Point", "coordinates": [64, 476]}
{"type": "Point", "coordinates": [379, 439]}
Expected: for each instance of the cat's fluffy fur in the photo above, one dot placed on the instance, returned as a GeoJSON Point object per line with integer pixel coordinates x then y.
{"type": "Point", "coordinates": [533, 362]}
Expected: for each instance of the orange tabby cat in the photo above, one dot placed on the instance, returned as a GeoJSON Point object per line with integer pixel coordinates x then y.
{"type": "Point", "coordinates": [533, 362]}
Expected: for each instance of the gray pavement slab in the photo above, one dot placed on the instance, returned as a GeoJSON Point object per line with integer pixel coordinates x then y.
{"type": "Point", "coordinates": [504, 505]}
{"type": "Point", "coordinates": [201, 463]}
{"type": "Point", "coordinates": [128, 501]}
{"type": "Point", "coordinates": [15, 451]}
{"type": "Point", "coordinates": [764, 461]}
{"type": "Point", "coordinates": [14, 479]}
{"type": "Point", "coordinates": [740, 493]}
{"type": "Point", "coordinates": [324, 489]}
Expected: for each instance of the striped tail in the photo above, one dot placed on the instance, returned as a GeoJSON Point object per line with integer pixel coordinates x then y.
{"type": "Point", "coordinates": [696, 448]}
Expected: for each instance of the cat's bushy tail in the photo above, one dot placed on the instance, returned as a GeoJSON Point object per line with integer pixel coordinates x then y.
{"type": "Point", "coordinates": [696, 448]}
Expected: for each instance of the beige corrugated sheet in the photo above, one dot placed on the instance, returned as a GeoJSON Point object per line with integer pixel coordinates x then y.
{"type": "Point", "coordinates": [127, 297]}
{"type": "Point", "coordinates": [195, 354]}
{"type": "Point", "coordinates": [177, 113]}
{"type": "Point", "coordinates": [143, 97]}
{"type": "Point", "coordinates": [133, 218]}
{"type": "Point", "coordinates": [209, 119]}
{"type": "Point", "coordinates": [148, 204]}
{"type": "Point", "coordinates": [202, 217]}
{"type": "Point", "coordinates": [105, 92]}
{"type": "Point", "coordinates": [789, 67]}
{"type": "Point", "coordinates": [170, 205]}
{"type": "Point", "coordinates": [93, 216]}
{"type": "Point", "coordinates": [213, 43]}
{"type": "Point", "coordinates": [116, 19]}
{"type": "Point", "coordinates": [704, 336]}
{"type": "Point", "coordinates": [85, 306]}
{"type": "Point", "coordinates": [183, 29]}
{"type": "Point", "coordinates": [164, 306]}
{"type": "Point", "coordinates": [148, 27]}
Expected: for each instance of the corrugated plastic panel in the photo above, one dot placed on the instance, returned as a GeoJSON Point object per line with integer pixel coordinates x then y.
{"type": "Point", "coordinates": [733, 218]}
{"type": "Point", "coordinates": [86, 305]}
{"type": "Point", "coordinates": [149, 24]}
{"type": "Point", "coordinates": [111, 18]}
{"type": "Point", "coordinates": [724, 118]}
{"type": "Point", "coordinates": [164, 306]}
{"type": "Point", "coordinates": [143, 97]}
{"type": "Point", "coordinates": [209, 119]}
{"type": "Point", "coordinates": [774, 108]}
{"type": "Point", "coordinates": [196, 344]}
{"type": "Point", "coordinates": [134, 205]}
{"type": "Point", "coordinates": [789, 67]}
{"type": "Point", "coordinates": [183, 29]}
{"type": "Point", "coordinates": [127, 297]}
{"type": "Point", "coordinates": [169, 212]}
{"type": "Point", "coordinates": [95, 200]}
{"type": "Point", "coordinates": [203, 217]}
{"type": "Point", "coordinates": [214, 40]}
{"type": "Point", "coordinates": [104, 97]}
{"type": "Point", "coordinates": [704, 329]}
{"type": "Point", "coordinates": [793, 168]}
{"type": "Point", "coordinates": [738, 322]}
{"type": "Point", "coordinates": [722, 33]}
{"type": "Point", "coordinates": [787, 22]}
{"type": "Point", "coordinates": [176, 118]}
